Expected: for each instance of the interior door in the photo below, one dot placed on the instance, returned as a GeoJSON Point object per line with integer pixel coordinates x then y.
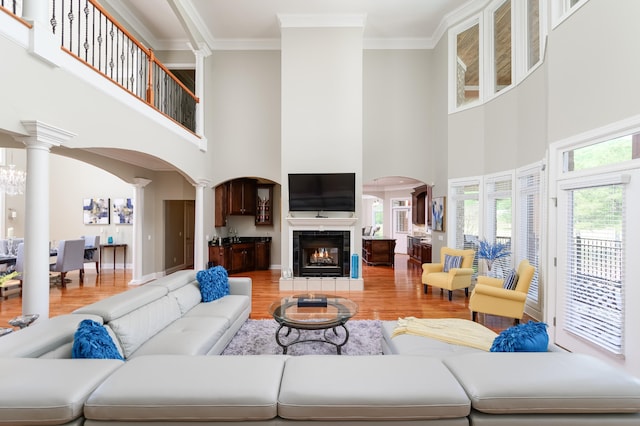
{"type": "Point", "coordinates": [401, 222]}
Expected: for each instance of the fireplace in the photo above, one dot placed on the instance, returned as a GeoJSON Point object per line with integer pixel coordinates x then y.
{"type": "Point", "coordinates": [321, 253]}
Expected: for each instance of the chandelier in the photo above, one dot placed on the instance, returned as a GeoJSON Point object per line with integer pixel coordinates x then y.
{"type": "Point", "coordinates": [12, 181]}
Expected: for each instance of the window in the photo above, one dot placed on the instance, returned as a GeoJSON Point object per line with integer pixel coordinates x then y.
{"type": "Point", "coordinates": [594, 289]}
{"type": "Point", "coordinates": [464, 215]}
{"type": "Point", "coordinates": [466, 65]}
{"type": "Point", "coordinates": [612, 151]}
{"type": "Point", "coordinates": [502, 46]}
{"type": "Point", "coordinates": [529, 228]}
{"type": "Point", "coordinates": [533, 33]}
{"type": "Point", "coordinates": [504, 42]}
{"type": "Point", "coordinates": [498, 218]}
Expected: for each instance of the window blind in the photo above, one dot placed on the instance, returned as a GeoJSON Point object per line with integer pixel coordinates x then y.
{"type": "Point", "coordinates": [594, 291]}
{"type": "Point", "coordinates": [465, 202]}
{"type": "Point", "coordinates": [498, 219]}
{"type": "Point", "coordinates": [529, 224]}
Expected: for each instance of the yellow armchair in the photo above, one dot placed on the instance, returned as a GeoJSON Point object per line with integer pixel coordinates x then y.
{"type": "Point", "coordinates": [456, 278]}
{"type": "Point", "coordinates": [490, 297]}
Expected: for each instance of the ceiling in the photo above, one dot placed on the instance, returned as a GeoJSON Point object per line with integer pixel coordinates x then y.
{"type": "Point", "coordinates": [253, 24]}
{"type": "Point", "coordinates": [242, 24]}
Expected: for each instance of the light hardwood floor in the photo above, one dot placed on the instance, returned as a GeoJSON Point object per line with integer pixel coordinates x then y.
{"type": "Point", "coordinates": [390, 293]}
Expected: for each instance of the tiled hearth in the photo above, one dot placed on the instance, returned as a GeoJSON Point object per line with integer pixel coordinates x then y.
{"type": "Point", "coordinates": [318, 284]}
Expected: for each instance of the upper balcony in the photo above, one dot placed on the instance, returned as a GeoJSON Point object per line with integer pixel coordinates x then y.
{"type": "Point", "coordinates": [68, 70]}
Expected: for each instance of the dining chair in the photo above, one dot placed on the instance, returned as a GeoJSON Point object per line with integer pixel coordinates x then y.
{"type": "Point", "coordinates": [70, 258]}
{"type": "Point", "coordinates": [91, 246]}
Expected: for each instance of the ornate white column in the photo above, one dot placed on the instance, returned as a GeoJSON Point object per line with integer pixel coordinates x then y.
{"type": "Point", "coordinates": [138, 237]}
{"type": "Point", "coordinates": [201, 53]}
{"type": "Point", "coordinates": [199, 240]}
{"type": "Point", "coordinates": [35, 283]}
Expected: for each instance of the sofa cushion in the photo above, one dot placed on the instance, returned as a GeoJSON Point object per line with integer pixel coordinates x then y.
{"type": "Point", "coordinates": [49, 391]}
{"type": "Point", "coordinates": [187, 297]}
{"type": "Point", "coordinates": [175, 280]}
{"type": "Point", "coordinates": [368, 388]}
{"type": "Point", "coordinates": [409, 344]}
{"type": "Point", "coordinates": [47, 338]}
{"type": "Point", "coordinates": [214, 283]}
{"type": "Point", "coordinates": [202, 388]}
{"type": "Point", "coordinates": [114, 307]}
{"type": "Point", "coordinates": [528, 337]}
{"type": "Point", "coordinates": [92, 340]}
{"type": "Point", "coordinates": [135, 328]}
{"type": "Point", "coordinates": [544, 382]}
{"type": "Point", "coordinates": [451, 262]}
{"type": "Point", "coordinates": [229, 307]}
{"type": "Point", "coordinates": [185, 336]}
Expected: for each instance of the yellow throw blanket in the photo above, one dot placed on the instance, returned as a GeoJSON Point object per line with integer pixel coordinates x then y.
{"type": "Point", "coordinates": [450, 330]}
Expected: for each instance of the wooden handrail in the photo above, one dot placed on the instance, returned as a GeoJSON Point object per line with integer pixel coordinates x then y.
{"type": "Point", "coordinates": [17, 18]}
{"type": "Point", "coordinates": [120, 27]}
{"type": "Point", "coordinates": [165, 69]}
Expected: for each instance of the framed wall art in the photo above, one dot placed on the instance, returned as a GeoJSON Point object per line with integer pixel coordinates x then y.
{"type": "Point", "coordinates": [438, 212]}
{"type": "Point", "coordinates": [95, 211]}
{"type": "Point", "coordinates": [122, 211]}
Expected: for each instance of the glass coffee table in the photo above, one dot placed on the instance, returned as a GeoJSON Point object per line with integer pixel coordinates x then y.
{"type": "Point", "coordinates": [321, 312]}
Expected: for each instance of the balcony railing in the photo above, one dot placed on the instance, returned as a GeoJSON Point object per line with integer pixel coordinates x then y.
{"type": "Point", "coordinates": [88, 32]}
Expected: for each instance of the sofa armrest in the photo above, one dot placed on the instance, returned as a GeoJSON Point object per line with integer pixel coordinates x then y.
{"type": "Point", "coordinates": [240, 286]}
{"type": "Point", "coordinates": [500, 292]}
{"type": "Point", "coordinates": [429, 268]}
{"type": "Point", "coordinates": [490, 281]}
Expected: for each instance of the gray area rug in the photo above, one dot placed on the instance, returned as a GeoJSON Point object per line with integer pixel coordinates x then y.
{"type": "Point", "coordinates": [257, 337]}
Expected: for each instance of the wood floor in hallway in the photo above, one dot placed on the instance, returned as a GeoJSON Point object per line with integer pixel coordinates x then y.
{"type": "Point", "coordinates": [389, 293]}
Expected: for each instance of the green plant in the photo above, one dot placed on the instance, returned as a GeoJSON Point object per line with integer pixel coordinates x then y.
{"type": "Point", "coordinates": [492, 251]}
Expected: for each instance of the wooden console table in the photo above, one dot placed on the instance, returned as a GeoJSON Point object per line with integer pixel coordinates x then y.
{"type": "Point", "coordinates": [115, 249]}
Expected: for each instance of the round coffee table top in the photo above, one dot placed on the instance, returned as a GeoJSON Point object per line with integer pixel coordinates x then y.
{"type": "Point", "coordinates": [338, 310]}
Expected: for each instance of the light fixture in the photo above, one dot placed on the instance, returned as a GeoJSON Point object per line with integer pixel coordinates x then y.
{"type": "Point", "coordinates": [12, 180]}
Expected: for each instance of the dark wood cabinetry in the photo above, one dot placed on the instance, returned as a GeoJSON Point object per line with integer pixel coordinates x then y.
{"type": "Point", "coordinates": [419, 251]}
{"type": "Point", "coordinates": [243, 257]}
{"type": "Point", "coordinates": [249, 254]}
{"type": "Point", "coordinates": [421, 202]}
{"type": "Point", "coordinates": [264, 204]}
{"type": "Point", "coordinates": [263, 255]}
{"type": "Point", "coordinates": [378, 250]}
{"type": "Point", "coordinates": [219, 256]}
{"type": "Point", "coordinates": [242, 197]}
{"type": "Point", "coordinates": [222, 205]}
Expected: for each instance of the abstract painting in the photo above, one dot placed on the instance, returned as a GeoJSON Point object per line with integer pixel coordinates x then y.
{"type": "Point", "coordinates": [122, 211]}
{"type": "Point", "coordinates": [95, 211]}
{"type": "Point", "coordinates": [438, 214]}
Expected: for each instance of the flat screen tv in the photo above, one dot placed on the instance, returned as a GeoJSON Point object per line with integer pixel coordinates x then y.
{"type": "Point", "coordinates": [329, 192]}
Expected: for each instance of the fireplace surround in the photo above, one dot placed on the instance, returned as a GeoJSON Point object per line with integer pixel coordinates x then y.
{"type": "Point", "coordinates": [321, 253]}
{"type": "Point", "coordinates": [321, 283]}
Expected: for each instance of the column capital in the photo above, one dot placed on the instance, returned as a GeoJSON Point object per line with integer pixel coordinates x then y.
{"type": "Point", "coordinates": [140, 182]}
{"type": "Point", "coordinates": [204, 183]}
{"type": "Point", "coordinates": [42, 135]}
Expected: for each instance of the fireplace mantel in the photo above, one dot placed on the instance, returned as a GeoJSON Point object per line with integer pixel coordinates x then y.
{"type": "Point", "coordinates": [320, 222]}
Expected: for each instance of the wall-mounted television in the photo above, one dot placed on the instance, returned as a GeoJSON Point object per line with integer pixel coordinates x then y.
{"type": "Point", "coordinates": [329, 192]}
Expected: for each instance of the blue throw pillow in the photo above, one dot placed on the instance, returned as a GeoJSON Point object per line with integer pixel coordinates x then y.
{"type": "Point", "coordinates": [92, 340]}
{"type": "Point", "coordinates": [511, 281]}
{"type": "Point", "coordinates": [214, 283]}
{"type": "Point", "coordinates": [451, 262]}
{"type": "Point", "coordinates": [528, 337]}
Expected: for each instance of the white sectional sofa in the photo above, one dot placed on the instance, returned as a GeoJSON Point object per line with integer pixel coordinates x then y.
{"type": "Point", "coordinates": [172, 374]}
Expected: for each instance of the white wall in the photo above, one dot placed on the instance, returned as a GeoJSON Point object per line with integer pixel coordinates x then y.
{"type": "Point", "coordinates": [321, 109]}
{"type": "Point", "coordinates": [397, 127]}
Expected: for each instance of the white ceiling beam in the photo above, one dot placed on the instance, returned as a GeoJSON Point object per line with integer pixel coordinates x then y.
{"type": "Point", "coordinates": [192, 24]}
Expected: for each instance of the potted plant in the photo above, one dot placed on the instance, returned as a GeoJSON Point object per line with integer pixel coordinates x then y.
{"type": "Point", "coordinates": [491, 252]}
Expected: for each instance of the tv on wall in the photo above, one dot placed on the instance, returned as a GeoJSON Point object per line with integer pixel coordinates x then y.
{"type": "Point", "coordinates": [329, 192]}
